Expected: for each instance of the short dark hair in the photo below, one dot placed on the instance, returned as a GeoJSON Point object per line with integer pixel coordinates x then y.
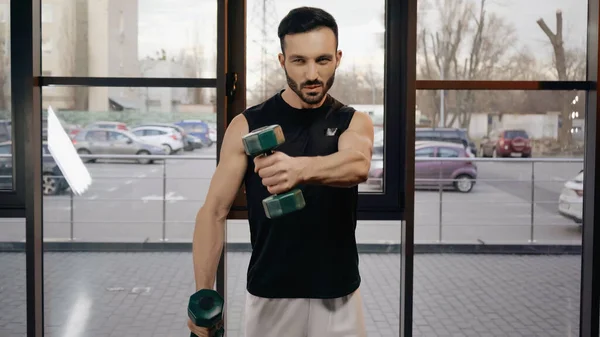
{"type": "Point", "coordinates": [305, 19]}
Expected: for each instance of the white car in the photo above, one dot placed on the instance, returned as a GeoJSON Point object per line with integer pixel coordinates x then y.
{"type": "Point", "coordinates": [167, 138]}
{"type": "Point", "coordinates": [212, 132]}
{"type": "Point", "coordinates": [570, 201]}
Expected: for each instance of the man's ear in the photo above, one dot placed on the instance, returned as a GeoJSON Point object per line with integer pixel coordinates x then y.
{"type": "Point", "coordinates": [338, 57]}
{"type": "Point", "coordinates": [281, 58]}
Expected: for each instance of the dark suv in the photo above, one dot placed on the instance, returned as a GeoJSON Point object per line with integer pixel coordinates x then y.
{"type": "Point", "coordinates": [5, 130]}
{"type": "Point", "coordinates": [506, 143]}
{"type": "Point", "coordinates": [450, 135]}
{"type": "Point", "coordinates": [53, 181]}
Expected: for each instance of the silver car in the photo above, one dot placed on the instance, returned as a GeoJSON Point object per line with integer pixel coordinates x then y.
{"type": "Point", "coordinates": [106, 142]}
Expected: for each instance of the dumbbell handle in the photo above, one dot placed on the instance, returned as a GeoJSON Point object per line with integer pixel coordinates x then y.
{"type": "Point", "coordinates": [218, 333]}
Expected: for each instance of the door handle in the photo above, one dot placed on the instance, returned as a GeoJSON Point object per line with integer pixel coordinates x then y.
{"type": "Point", "coordinates": [231, 84]}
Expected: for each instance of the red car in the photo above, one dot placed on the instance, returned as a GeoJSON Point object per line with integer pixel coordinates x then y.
{"type": "Point", "coordinates": [506, 143]}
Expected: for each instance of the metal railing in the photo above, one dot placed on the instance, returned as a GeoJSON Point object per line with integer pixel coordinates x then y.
{"type": "Point", "coordinates": [440, 184]}
{"type": "Point", "coordinates": [532, 181]}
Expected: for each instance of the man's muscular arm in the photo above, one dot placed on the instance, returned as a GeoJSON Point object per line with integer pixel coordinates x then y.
{"type": "Point", "coordinates": [350, 165]}
{"type": "Point", "coordinates": [210, 220]}
{"type": "Point", "coordinates": [345, 168]}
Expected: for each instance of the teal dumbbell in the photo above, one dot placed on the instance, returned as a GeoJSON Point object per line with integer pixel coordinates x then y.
{"type": "Point", "coordinates": [263, 141]}
{"type": "Point", "coordinates": [205, 309]}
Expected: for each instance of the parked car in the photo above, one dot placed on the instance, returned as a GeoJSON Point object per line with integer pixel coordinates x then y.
{"type": "Point", "coordinates": [108, 125]}
{"type": "Point", "coordinates": [194, 142]}
{"type": "Point", "coordinates": [199, 129]}
{"type": "Point", "coordinates": [169, 138]}
{"type": "Point", "coordinates": [103, 142]}
{"type": "Point", "coordinates": [461, 175]}
{"type": "Point", "coordinates": [53, 181]}
{"type": "Point", "coordinates": [451, 135]}
{"type": "Point", "coordinates": [5, 130]}
{"type": "Point", "coordinates": [212, 132]}
{"type": "Point", "coordinates": [506, 143]}
{"type": "Point", "coordinates": [185, 137]}
{"type": "Point", "coordinates": [570, 201]}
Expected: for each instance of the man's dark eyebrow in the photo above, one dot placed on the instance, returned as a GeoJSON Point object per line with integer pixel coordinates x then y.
{"type": "Point", "coordinates": [328, 56]}
{"type": "Point", "coordinates": [296, 56]}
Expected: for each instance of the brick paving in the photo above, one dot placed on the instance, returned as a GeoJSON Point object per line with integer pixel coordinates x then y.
{"type": "Point", "coordinates": [145, 294]}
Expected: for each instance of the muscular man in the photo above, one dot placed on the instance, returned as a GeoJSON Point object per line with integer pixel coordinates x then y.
{"type": "Point", "coordinates": [303, 278]}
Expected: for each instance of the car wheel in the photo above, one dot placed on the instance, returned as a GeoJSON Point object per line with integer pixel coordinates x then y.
{"type": "Point", "coordinates": [481, 152]}
{"type": "Point", "coordinates": [168, 149]}
{"type": "Point", "coordinates": [142, 160]}
{"type": "Point", "coordinates": [49, 184]}
{"type": "Point", "coordinates": [86, 152]}
{"type": "Point", "coordinates": [463, 183]}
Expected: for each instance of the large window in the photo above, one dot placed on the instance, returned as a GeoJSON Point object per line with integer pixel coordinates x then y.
{"type": "Point", "coordinates": [129, 38]}
{"type": "Point", "coordinates": [6, 135]}
{"type": "Point", "coordinates": [152, 200]}
{"type": "Point", "coordinates": [502, 40]}
{"type": "Point", "coordinates": [149, 146]}
{"type": "Point", "coordinates": [504, 97]}
{"type": "Point", "coordinates": [521, 174]}
{"type": "Point", "coordinates": [513, 182]}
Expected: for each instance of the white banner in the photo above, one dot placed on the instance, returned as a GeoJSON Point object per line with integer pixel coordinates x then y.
{"type": "Point", "coordinates": [66, 157]}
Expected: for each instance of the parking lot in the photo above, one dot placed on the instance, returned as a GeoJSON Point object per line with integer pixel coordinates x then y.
{"type": "Point", "coordinates": [127, 200]}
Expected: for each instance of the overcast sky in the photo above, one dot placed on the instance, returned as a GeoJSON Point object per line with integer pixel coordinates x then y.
{"type": "Point", "coordinates": [174, 25]}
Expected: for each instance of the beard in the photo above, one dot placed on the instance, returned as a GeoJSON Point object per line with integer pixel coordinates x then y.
{"type": "Point", "coordinates": [310, 97]}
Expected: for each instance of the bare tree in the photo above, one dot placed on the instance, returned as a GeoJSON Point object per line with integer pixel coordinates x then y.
{"type": "Point", "coordinates": [4, 74]}
{"type": "Point", "coordinates": [192, 61]}
{"type": "Point", "coordinates": [372, 81]}
{"type": "Point", "coordinates": [273, 81]}
{"type": "Point", "coordinates": [469, 45]}
{"type": "Point", "coordinates": [568, 65]}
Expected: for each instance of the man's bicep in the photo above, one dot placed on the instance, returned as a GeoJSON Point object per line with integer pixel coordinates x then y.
{"type": "Point", "coordinates": [230, 171]}
{"type": "Point", "coordinates": [359, 135]}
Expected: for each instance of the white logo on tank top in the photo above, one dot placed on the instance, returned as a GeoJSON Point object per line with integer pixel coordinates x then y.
{"type": "Point", "coordinates": [331, 131]}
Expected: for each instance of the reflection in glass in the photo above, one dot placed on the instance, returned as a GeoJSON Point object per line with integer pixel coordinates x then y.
{"type": "Point", "coordinates": [501, 40]}
{"type": "Point", "coordinates": [145, 38]}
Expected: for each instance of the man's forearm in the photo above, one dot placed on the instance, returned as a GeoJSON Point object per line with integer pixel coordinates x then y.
{"type": "Point", "coordinates": [346, 168]}
{"type": "Point", "coordinates": [207, 247]}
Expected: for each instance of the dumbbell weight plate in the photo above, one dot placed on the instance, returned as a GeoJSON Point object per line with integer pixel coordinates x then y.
{"type": "Point", "coordinates": [281, 204]}
{"type": "Point", "coordinates": [263, 140]}
{"type": "Point", "coordinates": [205, 308]}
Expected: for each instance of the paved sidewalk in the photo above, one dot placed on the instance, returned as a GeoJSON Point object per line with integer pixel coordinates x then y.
{"type": "Point", "coordinates": [145, 294]}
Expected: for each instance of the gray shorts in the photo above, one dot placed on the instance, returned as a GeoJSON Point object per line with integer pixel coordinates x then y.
{"type": "Point", "coordinates": [299, 317]}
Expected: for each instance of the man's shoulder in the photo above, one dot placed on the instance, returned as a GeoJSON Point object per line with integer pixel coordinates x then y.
{"type": "Point", "coordinates": [340, 110]}
{"type": "Point", "coordinates": [268, 104]}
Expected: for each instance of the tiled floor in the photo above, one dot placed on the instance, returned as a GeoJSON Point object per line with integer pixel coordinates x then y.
{"type": "Point", "coordinates": [145, 294]}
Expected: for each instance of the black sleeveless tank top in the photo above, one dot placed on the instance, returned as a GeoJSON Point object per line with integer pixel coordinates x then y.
{"type": "Point", "coordinates": [310, 253]}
